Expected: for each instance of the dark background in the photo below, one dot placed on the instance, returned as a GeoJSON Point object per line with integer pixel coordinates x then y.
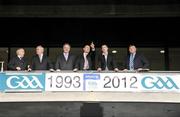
{"type": "Point", "coordinates": [70, 2]}
{"type": "Point", "coordinates": [116, 32]}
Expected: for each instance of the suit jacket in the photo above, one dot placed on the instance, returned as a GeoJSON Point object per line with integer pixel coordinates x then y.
{"type": "Point", "coordinates": [62, 64]}
{"type": "Point", "coordinates": [16, 62]}
{"type": "Point", "coordinates": [139, 62]}
{"type": "Point", "coordinates": [91, 60]}
{"type": "Point", "coordinates": [44, 65]}
{"type": "Point", "coordinates": [111, 64]}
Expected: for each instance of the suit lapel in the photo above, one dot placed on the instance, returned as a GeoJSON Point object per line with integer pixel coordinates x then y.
{"type": "Point", "coordinates": [104, 60]}
{"type": "Point", "coordinates": [128, 58]}
{"type": "Point", "coordinates": [107, 59]}
{"type": "Point", "coordinates": [42, 58]}
{"type": "Point", "coordinates": [82, 59]}
{"type": "Point", "coordinates": [88, 58]}
{"type": "Point", "coordinates": [135, 56]}
{"type": "Point", "coordinates": [38, 58]}
{"type": "Point", "coordinates": [68, 57]}
{"type": "Point", "coordinates": [18, 58]}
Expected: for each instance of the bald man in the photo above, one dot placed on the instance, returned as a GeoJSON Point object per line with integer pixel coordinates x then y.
{"type": "Point", "coordinates": [135, 60]}
{"type": "Point", "coordinates": [65, 60]}
{"type": "Point", "coordinates": [41, 61]}
{"type": "Point", "coordinates": [18, 62]}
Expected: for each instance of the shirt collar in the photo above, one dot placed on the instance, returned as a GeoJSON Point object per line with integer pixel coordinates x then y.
{"type": "Point", "coordinates": [20, 57]}
{"type": "Point", "coordinates": [41, 55]}
{"type": "Point", "coordinates": [133, 54]}
{"type": "Point", "coordinates": [105, 54]}
{"type": "Point", "coordinates": [85, 54]}
{"type": "Point", "coordinates": [65, 53]}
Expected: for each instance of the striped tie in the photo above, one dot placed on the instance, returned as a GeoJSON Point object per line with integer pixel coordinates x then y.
{"type": "Point", "coordinates": [131, 62]}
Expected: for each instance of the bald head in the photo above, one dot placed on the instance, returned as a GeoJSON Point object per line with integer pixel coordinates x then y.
{"type": "Point", "coordinates": [39, 50]}
{"type": "Point", "coordinates": [66, 48]}
{"type": "Point", "coordinates": [20, 52]}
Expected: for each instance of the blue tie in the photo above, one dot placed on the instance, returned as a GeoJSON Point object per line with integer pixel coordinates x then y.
{"type": "Point", "coordinates": [131, 62]}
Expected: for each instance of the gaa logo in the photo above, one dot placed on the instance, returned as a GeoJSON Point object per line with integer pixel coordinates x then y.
{"type": "Point", "coordinates": [158, 82]}
{"type": "Point", "coordinates": [23, 82]}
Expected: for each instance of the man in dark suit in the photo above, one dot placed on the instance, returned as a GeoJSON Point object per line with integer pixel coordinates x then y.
{"type": "Point", "coordinates": [106, 60]}
{"type": "Point", "coordinates": [18, 62]}
{"type": "Point", "coordinates": [135, 61]}
{"type": "Point", "coordinates": [41, 61]}
{"type": "Point", "coordinates": [85, 60]}
{"type": "Point", "coordinates": [66, 60]}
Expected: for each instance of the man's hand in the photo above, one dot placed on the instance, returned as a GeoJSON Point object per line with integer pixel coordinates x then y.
{"type": "Point", "coordinates": [116, 69]}
{"type": "Point", "coordinates": [29, 69]}
{"type": "Point", "coordinates": [51, 70]}
{"type": "Point", "coordinates": [58, 70]}
{"type": "Point", "coordinates": [139, 69]}
{"type": "Point", "coordinates": [92, 46]}
{"type": "Point", "coordinates": [125, 69]}
{"type": "Point", "coordinates": [18, 68]}
{"type": "Point", "coordinates": [99, 69]}
{"type": "Point", "coordinates": [75, 70]}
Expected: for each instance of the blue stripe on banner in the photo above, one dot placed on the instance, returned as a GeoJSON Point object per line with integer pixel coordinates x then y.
{"type": "Point", "coordinates": [2, 81]}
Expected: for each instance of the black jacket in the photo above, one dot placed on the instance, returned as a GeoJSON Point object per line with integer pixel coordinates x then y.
{"type": "Point", "coordinates": [91, 60]}
{"type": "Point", "coordinates": [62, 64]}
{"type": "Point", "coordinates": [111, 63]}
{"type": "Point", "coordinates": [16, 62]}
{"type": "Point", "coordinates": [44, 65]}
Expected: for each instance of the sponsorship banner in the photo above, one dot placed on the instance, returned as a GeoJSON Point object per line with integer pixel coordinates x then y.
{"type": "Point", "coordinates": [114, 82]}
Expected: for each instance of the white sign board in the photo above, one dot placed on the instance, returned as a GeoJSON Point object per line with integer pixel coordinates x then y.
{"type": "Point", "coordinates": [127, 82]}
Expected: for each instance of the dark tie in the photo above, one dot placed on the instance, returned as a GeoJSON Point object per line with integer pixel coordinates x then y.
{"type": "Point", "coordinates": [106, 68]}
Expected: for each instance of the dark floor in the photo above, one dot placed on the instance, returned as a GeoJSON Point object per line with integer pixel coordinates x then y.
{"type": "Point", "coordinates": [63, 109]}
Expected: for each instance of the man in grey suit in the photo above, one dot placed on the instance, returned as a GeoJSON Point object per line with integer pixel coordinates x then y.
{"type": "Point", "coordinates": [135, 60]}
{"type": "Point", "coordinates": [66, 60]}
{"type": "Point", "coordinates": [41, 61]}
